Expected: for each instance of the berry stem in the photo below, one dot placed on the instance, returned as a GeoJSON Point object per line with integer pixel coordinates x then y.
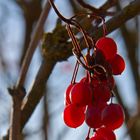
{"type": "Point", "coordinates": [75, 73]}
{"type": "Point", "coordinates": [87, 138]}
{"type": "Point", "coordinates": [74, 41]}
{"type": "Point", "coordinates": [58, 13]}
{"type": "Point", "coordinates": [85, 34]}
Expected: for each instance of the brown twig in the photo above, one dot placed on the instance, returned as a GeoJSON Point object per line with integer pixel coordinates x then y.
{"type": "Point", "coordinates": [31, 19]}
{"type": "Point", "coordinates": [58, 13]}
{"type": "Point", "coordinates": [17, 96]}
{"type": "Point", "coordinates": [108, 4]}
{"type": "Point", "coordinates": [87, 6]}
{"type": "Point", "coordinates": [102, 11]}
{"type": "Point", "coordinates": [33, 44]}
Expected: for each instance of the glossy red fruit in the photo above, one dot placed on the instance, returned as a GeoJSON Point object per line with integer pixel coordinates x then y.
{"type": "Point", "coordinates": [93, 116]}
{"type": "Point", "coordinates": [84, 80]}
{"type": "Point", "coordinates": [107, 133]}
{"type": "Point", "coordinates": [74, 116]}
{"type": "Point", "coordinates": [99, 57]}
{"type": "Point", "coordinates": [103, 65]}
{"type": "Point", "coordinates": [109, 82]}
{"type": "Point", "coordinates": [95, 82]}
{"type": "Point", "coordinates": [117, 64]}
{"type": "Point", "coordinates": [81, 94]}
{"type": "Point", "coordinates": [107, 46]}
{"type": "Point", "coordinates": [100, 104]}
{"type": "Point", "coordinates": [67, 95]}
{"type": "Point", "coordinates": [101, 92]}
{"type": "Point", "coordinates": [113, 116]}
{"type": "Point", "coordinates": [98, 137]}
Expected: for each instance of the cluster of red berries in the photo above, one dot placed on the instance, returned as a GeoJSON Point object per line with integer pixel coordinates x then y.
{"type": "Point", "coordinates": [90, 100]}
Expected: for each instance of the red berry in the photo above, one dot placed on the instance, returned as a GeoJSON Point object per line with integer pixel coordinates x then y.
{"type": "Point", "coordinates": [74, 116]}
{"type": "Point", "coordinates": [93, 116]}
{"type": "Point", "coordinates": [117, 64]}
{"type": "Point", "coordinates": [106, 133]}
{"type": "Point", "coordinates": [109, 82]}
{"type": "Point", "coordinates": [103, 65]}
{"type": "Point", "coordinates": [107, 46]}
{"type": "Point", "coordinates": [84, 80]}
{"type": "Point", "coordinates": [67, 95]}
{"type": "Point", "coordinates": [81, 94]}
{"type": "Point", "coordinates": [101, 105]}
{"type": "Point", "coordinates": [95, 82]}
{"type": "Point", "coordinates": [113, 116]}
{"type": "Point", "coordinates": [101, 92]}
{"type": "Point", "coordinates": [99, 57]}
{"type": "Point", "coordinates": [98, 137]}
{"type": "Point", "coordinates": [105, 80]}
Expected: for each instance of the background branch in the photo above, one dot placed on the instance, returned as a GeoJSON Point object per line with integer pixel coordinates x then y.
{"type": "Point", "coordinates": [17, 97]}
{"type": "Point", "coordinates": [30, 20]}
{"type": "Point", "coordinates": [102, 11]}
{"type": "Point", "coordinates": [87, 6]}
{"type": "Point", "coordinates": [33, 44]}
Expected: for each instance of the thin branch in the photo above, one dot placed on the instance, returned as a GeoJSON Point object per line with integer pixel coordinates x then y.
{"type": "Point", "coordinates": [58, 13]}
{"type": "Point", "coordinates": [31, 19]}
{"type": "Point", "coordinates": [39, 88]}
{"type": "Point", "coordinates": [108, 4]}
{"type": "Point", "coordinates": [15, 128]}
{"type": "Point", "coordinates": [75, 7]}
{"type": "Point", "coordinates": [102, 11]}
{"type": "Point", "coordinates": [85, 5]}
{"type": "Point", "coordinates": [33, 44]}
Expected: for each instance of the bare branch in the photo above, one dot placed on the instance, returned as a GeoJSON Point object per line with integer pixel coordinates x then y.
{"type": "Point", "coordinates": [102, 11]}
{"type": "Point", "coordinates": [108, 4]}
{"type": "Point", "coordinates": [31, 19]}
{"type": "Point", "coordinates": [85, 5]}
{"type": "Point", "coordinates": [33, 44]}
{"type": "Point", "coordinates": [17, 97]}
